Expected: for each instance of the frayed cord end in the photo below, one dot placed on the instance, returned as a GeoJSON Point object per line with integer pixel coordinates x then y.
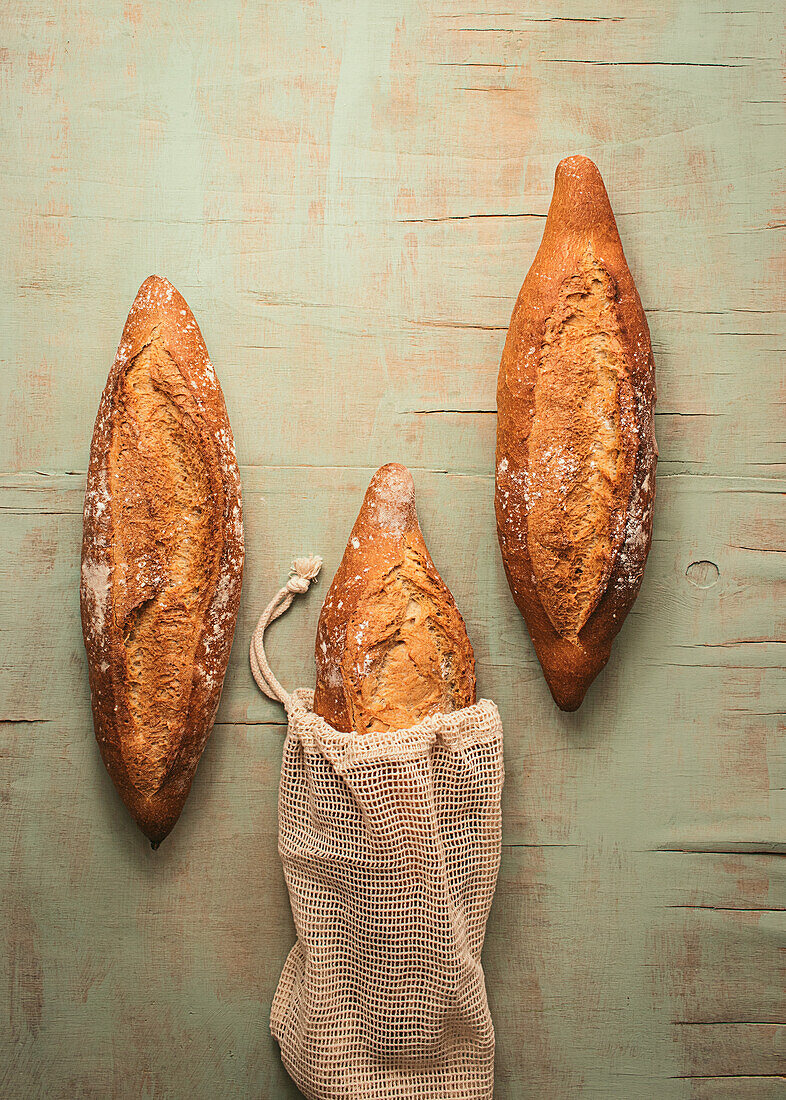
{"type": "Point", "coordinates": [303, 572]}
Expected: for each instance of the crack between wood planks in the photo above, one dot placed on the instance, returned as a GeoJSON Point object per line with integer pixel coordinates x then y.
{"type": "Point", "coordinates": [530, 18]}
{"type": "Point", "coordinates": [713, 312]}
{"type": "Point", "coordinates": [728, 645]}
{"type": "Point", "coordinates": [726, 1077]}
{"type": "Point", "coordinates": [25, 721]}
{"type": "Point", "coordinates": [699, 1076]}
{"type": "Point", "coordinates": [472, 64]}
{"type": "Point", "coordinates": [415, 469]}
{"type": "Point", "coordinates": [466, 217]}
{"type": "Point", "coordinates": [775, 848]}
{"type": "Point", "coordinates": [730, 908]}
{"type": "Point", "coordinates": [728, 1023]}
{"type": "Point", "coordinates": [535, 19]}
{"type": "Point", "coordinates": [459, 324]}
{"type": "Point", "coordinates": [705, 666]}
{"type": "Point", "coordinates": [642, 64]}
{"type": "Point", "coordinates": [724, 477]}
{"type": "Point", "coordinates": [754, 713]}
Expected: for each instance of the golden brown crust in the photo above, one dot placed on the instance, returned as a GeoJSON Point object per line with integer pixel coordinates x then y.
{"type": "Point", "coordinates": [162, 557]}
{"type": "Point", "coordinates": [576, 449]}
{"type": "Point", "coordinates": [391, 645]}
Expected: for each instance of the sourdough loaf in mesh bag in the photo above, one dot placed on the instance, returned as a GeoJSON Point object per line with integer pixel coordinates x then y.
{"type": "Point", "coordinates": [390, 842]}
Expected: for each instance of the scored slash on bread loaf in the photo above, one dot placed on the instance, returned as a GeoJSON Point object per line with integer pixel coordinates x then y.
{"type": "Point", "coordinates": [162, 557]}
{"type": "Point", "coordinates": [576, 451]}
{"type": "Point", "coordinates": [391, 645]}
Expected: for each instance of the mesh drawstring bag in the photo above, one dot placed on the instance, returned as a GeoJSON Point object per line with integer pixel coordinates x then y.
{"type": "Point", "coordinates": [390, 845]}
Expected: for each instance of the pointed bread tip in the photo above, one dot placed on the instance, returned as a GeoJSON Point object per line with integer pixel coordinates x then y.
{"type": "Point", "coordinates": [395, 479]}
{"type": "Point", "coordinates": [569, 699]}
{"type": "Point", "coordinates": [153, 280]}
{"type": "Point", "coordinates": [577, 168]}
{"type": "Point", "coordinates": [580, 196]}
{"type": "Point", "coordinates": [156, 285]}
{"type": "Point", "coordinates": [389, 503]}
{"type": "Point", "coordinates": [569, 673]}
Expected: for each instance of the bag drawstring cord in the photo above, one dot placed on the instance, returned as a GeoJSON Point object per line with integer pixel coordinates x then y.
{"type": "Point", "coordinates": [303, 572]}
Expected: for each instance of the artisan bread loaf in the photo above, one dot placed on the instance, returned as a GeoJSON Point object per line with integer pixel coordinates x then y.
{"type": "Point", "coordinates": [576, 451]}
{"type": "Point", "coordinates": [162, 557]}
{"type": "Point", "coordinates": [391, 645]}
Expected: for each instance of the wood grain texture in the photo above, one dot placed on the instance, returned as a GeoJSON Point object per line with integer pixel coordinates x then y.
{"type": "Point", "coordinates": [349, 195]}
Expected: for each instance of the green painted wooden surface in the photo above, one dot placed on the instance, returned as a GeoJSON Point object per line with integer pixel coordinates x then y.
{"type": "Point", "coordinates": [349, 196]}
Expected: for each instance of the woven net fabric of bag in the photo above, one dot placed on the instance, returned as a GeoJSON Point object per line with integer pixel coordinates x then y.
{"type": "Point", "coordinates": [390, 845]}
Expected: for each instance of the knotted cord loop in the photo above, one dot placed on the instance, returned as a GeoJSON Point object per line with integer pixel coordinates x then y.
{"type": "Point", "coordinates": [303, 572]}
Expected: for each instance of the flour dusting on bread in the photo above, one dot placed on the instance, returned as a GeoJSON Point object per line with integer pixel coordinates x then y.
{"type": "Point", "coordinates": [391, 645]}
{"type": "Point", "coordinates": [162, 556]}
{"type": "Point", "coordinates": [576, 453]}
{"type": "Point", "coordinates": [582, 448]}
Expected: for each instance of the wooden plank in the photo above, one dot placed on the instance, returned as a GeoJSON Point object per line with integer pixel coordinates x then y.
{"type": "Point", "coordinates": [349, 195]}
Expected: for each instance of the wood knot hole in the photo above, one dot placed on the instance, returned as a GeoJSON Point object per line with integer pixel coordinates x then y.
{"type": "Point", "coordinates": [703, 574]}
